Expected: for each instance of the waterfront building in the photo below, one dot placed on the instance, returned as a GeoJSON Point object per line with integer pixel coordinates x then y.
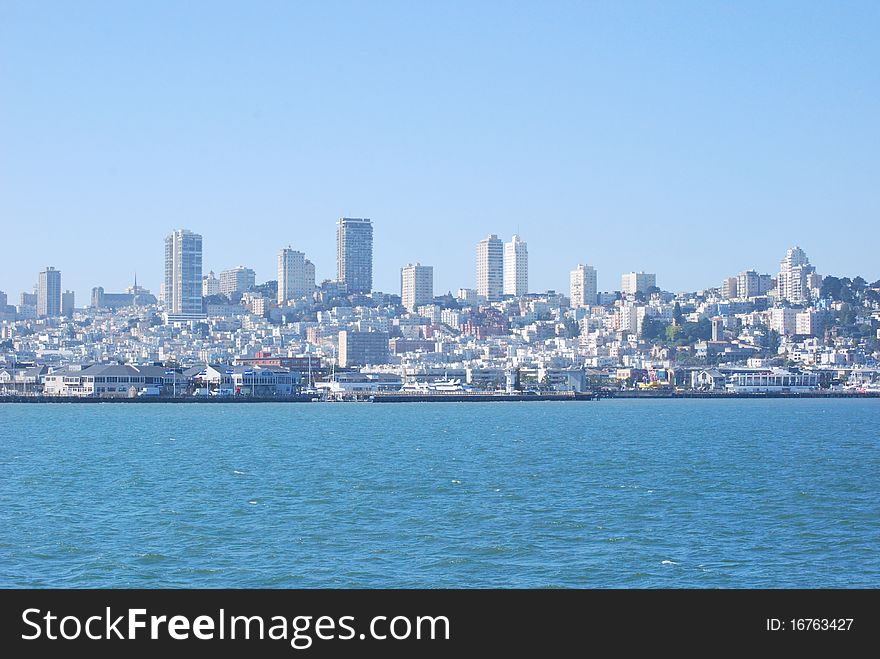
{"type": "Point", "coordinates": [362, 348]}
{"type": "Point", "coordinates": [183, 275]}
{"type": "Point", "coordinates": [516, 267]}
{"type": "Point", "coordinates": [237, 280]}
{"type": "Point", "coordinates": [490, 268]}
{"type": "Point", "coordinates": [49, 293]}
{"type": "Point", "coordinates": [108, 381]}
{"type": "Point", "coordinates": [582, 286]}
{"type": "Point", "coordinates": [416, 285]}
{"type": "Point", "coordinates": [354, 254]}
{"type": "Point", "coordinates": [210, 285]}
{"type": "Point", "coordinates": [637, 282]}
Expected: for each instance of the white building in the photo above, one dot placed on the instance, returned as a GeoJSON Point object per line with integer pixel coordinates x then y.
{"type": "Point", "coordinates": [583, 286]}
{"type": "Point", "coordinates": [783, 320]}
{"type": "Point", "coordinates": [748, 284]}
{"type": "Point", "coordinates": [516, 267]}
{"type": "Point", "coordinates": [796, 276]}
{"type": "Point", "coordinates": [237, 280]}
{"type": "Point", "coordinates": [808, 322]}
{"type": "Point", "coordinates": [416, 285]}
{"type": "Point", "coordinates": [490, 268]}
{"type": "Point", "coordinates": [292, 275]}
{"type": "Point", "coordinates": [637, 282]}
{"type": "Point", "coordinates": [210, 285]}
{"type": "Point", "coordinates": [729, 288]}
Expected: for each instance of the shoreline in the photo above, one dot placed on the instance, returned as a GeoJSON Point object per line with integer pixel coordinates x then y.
{"type": "Point", "coordinates": [446, 398]}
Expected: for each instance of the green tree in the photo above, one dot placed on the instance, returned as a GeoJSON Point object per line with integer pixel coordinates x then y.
{"type": "Point", "coordinates": [677, 316]}
{"type": "Point", "coordinates": [572, 327]}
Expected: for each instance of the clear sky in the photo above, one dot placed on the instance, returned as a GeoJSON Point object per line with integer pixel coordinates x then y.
{"type": "Point", "coordinates": [691, 139]}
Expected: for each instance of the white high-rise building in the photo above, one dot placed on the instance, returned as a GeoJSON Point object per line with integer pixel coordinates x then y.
{"type": "Point", "coordinates": [637, 282]}
{"type": "Point", "coordinates": [237, 280]}
{"type": "Point", "coordinates": [183, 273]}
{"type": "Point", "coordinates": [210, 285]}
{"type": "Point", "coordinates": [748, 284]}
{"type": "Point", "coordinates": [516, 267]}
{"type": "Point", "coordinates": [729, 288]}
{"type": "Point", "coordinates": [293, 275]}
{"type": "Point", "coordinates": [795, 277]}
{"type": "Point", "coordinates": [583, 287]}
{"type": "Point", "coordinates": [416, 285]}
{"type": "Point", "coordinates": [49, 293]}
{"type": "Point", "coordinates": [490, 268]}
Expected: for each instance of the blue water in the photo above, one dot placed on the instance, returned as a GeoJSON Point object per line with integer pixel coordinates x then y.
{"type": "Point", "coordinates": [627, 493]}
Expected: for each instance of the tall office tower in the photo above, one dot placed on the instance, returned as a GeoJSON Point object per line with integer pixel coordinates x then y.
{"type": "Point", "coordinates": [49, 293]}
{"type": "Point", "coordinates": [516, 267]}
{"type": "Point", "coordinates": [67, 304]}
{"type": "Point", "coordinates": [748, 284]}
{"type": "Point", "coordinates": [794, 279]}
{"type": "Point", "coordinates": [183, 273]}
{"type": "Point", "coordinates": [583, 286]}
{"type": "Point", "coordinates": [728, 288]}
{"type": "Point", "coordinates": [490, 268]}
{"type": "Point", "coordinates": [292, 275]}
{"type": "Point", "coordinates": [4, 300]}
{"type": "Point", "coordinates": [354, 254]}
{"type": "Point", "coordinates": [637, 282]}
{"type": "Point", "coordinates": [210, 285]}
{"type": "Point", "coordinates": [416, 285]}
{"type": "Point", "coordinates": [237, 280]}
{"type": "Point", "coordinates": [309, 277]}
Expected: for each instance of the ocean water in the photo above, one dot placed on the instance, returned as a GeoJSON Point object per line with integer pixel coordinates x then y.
{"type": "Point", "coordinates": [626, 493]}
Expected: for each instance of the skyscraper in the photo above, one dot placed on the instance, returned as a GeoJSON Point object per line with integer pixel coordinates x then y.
{"type": "Point", "coordinates": [292, 275]}
{"type": "Point", "coordinates": [795, 277]}
{"type": "Point", "coordinates": [354, 253]}
{"type": "Point", "coordinates": [183, 273]}
{"type": "Point", "coordinates": [237, 280]}
{"type": "Point", "coordinates": [490, 268]}
{"type": "Point", "coordinates": [416, 285]}
{"type": "Point", "coordinates": [516, 267]}
{"type": "Point", "coordinates": [583, 286]}
{"type": "Point", "coordinates": [49, 293]}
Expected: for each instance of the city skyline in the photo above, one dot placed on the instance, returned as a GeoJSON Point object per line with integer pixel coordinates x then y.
{"type": "Point", "coordinates": [620, 136]}
{"type": "Point", "coordinates": [795, 257]}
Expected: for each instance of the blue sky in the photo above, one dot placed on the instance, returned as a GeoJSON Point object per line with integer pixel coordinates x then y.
{"type": "Point", "coordinates": [690, 139]}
